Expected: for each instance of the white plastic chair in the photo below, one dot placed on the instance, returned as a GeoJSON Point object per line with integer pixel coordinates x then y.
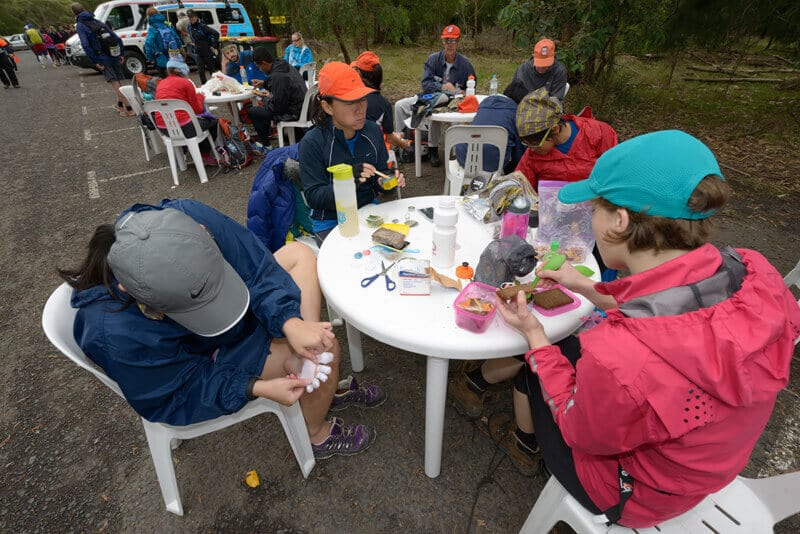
{"type": "Point", "coordinates": [311, 69]}
{"type": "Point", "coordinates": [476, 137]}
{"type": "Point", "coordinates": [57, 320]}
{"type": "Point", "coordinates": [793, 279]}
{"type": "Point", "coordinates": [175, 138]}
{"type": "Point", "coordinates": [746, 506]}
{"type": "Point", "coordinates": [304, 121]}
{"type": "Point", "coordinates": [566, 90]}
{"type": "Point", "coordinates": [150, 138]}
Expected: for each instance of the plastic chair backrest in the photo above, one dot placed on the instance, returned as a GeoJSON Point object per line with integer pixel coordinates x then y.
{"type": "Point", "coordinates": [311, 69]}
{"type": "Point", "coordinates": [566, 90]}
{"type": "Point", "coordinates": [130, 95]}
{"type": "Point", "coordinates": [305, 111]}
{"type": "Point", "coordinates": [476, 137]}
{"type": "Point", "coordinates": [58, 318]}
{"type": "Point", "coordinates": [167, 108]}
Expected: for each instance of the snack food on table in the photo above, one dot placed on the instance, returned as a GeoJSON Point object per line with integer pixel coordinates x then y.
{"type": "Point", "coordinates": [551, 298]}
{"type": "Point", "coordinates": [510, 292]}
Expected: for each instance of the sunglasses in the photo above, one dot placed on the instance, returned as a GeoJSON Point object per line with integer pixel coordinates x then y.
{"type": "Point", "coordinates": [449, 41]}
{"type": "Point", "coordinates": [295, 40]}
{"type": "Point", "coordinates": [539, 145]}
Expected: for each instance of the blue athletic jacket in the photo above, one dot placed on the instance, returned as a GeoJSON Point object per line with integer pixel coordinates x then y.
{"type": "Point", "coordinates": [90, 42]}
{"type": "Point", "coordinates": [436, 66]}
{"type": "Point", "coordinates": [169, 374]}
{"type": "Point", "coordinates": [325, 146]}
{"type": "Point", "coordinates": [271, 207]}
{"type": "Point", "coordinates": [156, 48]}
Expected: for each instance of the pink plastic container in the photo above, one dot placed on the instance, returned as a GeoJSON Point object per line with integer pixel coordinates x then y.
{"type": "Point", "coordinates": [473, 321]}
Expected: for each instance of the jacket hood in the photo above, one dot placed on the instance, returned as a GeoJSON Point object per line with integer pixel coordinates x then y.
{"type": "Point", "coordinates": [85, 16]}
{"type": "Point", "coordinates": [81, 299]}
{"type": "Point", "coordinates": [279, 65]}
{"type": "Point", "coordinates": [740, 363]}
{"type": "Point", "coordinates": [499, 102]}
{"type": "Point", "coordinates": [158, 18]}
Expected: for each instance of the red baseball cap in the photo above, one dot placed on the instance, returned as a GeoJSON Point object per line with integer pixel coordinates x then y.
{"type": "Point", "coordinates": [366, 61]}
{"type": "Point", "coordinates": [339, 80]}
{"type": "Point", "coordinates": [451, 32]}
{"type": "Point", "coordinates": [544, 53]}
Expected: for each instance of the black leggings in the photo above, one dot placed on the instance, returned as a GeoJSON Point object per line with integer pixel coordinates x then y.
{"type": "Point", "coordinates": [556, 453]}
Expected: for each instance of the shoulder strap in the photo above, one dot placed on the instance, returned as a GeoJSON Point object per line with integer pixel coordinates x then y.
{"type": "Point", "coordinates": [703, 294]}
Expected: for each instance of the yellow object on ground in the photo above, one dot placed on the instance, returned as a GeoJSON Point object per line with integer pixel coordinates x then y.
{"type": "Point", "coordinates": [251, 479]}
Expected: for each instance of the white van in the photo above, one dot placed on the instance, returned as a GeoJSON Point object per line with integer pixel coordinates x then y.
{"type": "Point", "coordinates": [127, 18]}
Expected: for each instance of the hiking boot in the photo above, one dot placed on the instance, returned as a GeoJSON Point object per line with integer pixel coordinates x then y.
{"type": "Point", "coordinates": [345, 440]}
{"type": "Point", "coordinates": [407, 156]}
{"type": "Point", "coordinates": [350, 393]}
{"type": "Point", "coordinates": [466, 401]}
{"type": "Point", "coordinates": [501, 429]}
{"type": "Point", "coordinates": [433, 157]}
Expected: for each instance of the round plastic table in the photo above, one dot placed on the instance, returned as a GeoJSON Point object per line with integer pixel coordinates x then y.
{"type": "Point", "coordinates": [421, 324]}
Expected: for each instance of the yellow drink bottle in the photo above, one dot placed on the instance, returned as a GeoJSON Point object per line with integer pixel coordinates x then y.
{"type": "Point", "coordinates": [344, 191]}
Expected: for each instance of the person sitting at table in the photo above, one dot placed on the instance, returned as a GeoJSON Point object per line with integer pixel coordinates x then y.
{"type": "Point", "coordinates": [671, 392]}
{"type": "Point", "coordinates": [543, 70]}
{"type": "Point", "coordinates": [188, 312]}
{"type": "Point", "coordinates": [560, 147]}
{"type": "Point", "coordinates": [233, 60]}
{"type": "Point", "coordinates": [379, 110]}
{"type": "Point", "coordinates": [284, 95]}
{"type": "Point", "coordinates": [497, 110]}
{"type": "Point", "coordinates": [177, 86]}
{"type": "Point", "coordinates": [445, 71]}
{"type": "Point", "coordinates": [297, 53]}
{"type": "Point", "coordinates": [341, 134]}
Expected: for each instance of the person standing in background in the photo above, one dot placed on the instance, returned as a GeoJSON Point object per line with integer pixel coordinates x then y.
{"type": "Point", "coordinates": [298, 54]}
{"type": "Point", "coordinates": [206, 41]}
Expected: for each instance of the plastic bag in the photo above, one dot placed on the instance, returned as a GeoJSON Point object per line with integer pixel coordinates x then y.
{"type": "Point", "coordinates": [489, 203]}
{"type": "Point", "coordinates": [222, 83]}
{"type": "Point", "coordinates": [568, 224]}
{"type": "Point", "coordinates": [504, 259]}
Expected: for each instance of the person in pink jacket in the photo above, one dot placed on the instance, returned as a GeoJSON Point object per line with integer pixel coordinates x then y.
{"type": "Point", "coordinates": [669, 393]}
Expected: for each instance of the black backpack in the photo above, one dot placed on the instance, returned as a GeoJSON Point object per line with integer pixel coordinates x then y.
{"type": "Point", "coordinates": [109, 45]}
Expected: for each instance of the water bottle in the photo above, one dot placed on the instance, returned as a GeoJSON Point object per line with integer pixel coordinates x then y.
{"type": "Point", "coordinates": [515, 219]}
{"type": "Point", "coordinates": [470, 85]}
{"type": "Point", "coordinates": [445, 217]}
{"type": "Point", "coordinates": [344, 191]}
{"type": "Point", "coordinates": [243, 75]}
{"type": "Point", "coordinates": [493, 85]}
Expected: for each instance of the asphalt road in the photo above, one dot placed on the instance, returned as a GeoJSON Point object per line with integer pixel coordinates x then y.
{"type": "Point", "coordinates": [73, 456]}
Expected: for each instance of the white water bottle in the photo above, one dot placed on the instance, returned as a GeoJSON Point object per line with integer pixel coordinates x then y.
{"type": "Point", "coordinates": [243, 75]}
{"type": "Point", "coordinates": [493, 85]}
{"type": "Point", "coordinates": [470, 85]}
{"type": "Point", "coordinates": [445, 217]}
{"type": "Point", "coordinates": [344, 191]}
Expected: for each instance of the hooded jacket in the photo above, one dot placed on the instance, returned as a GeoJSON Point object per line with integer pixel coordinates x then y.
{"type": "Point", "coordinates": [169, 374]}
{"type": "Point", "coordinates": [271, 207]}
{"type": "Point", "coordinates": [287, 89]}
{"type": "Point", "coordinates": [155, 47]}
{"type": "Point", "coordinates": [325, 146]}
{"type": "Point", "coordinates": [554, 80]}
{"type": "Point", "coordinates": [436, 66]}
{"type": "Point", "coordinates": [594, 137]}
{"type": "Point", "coordinates": [496, 110]}
{"type": "Point", "coordinates": [678, 401]}
{"type": "Point", "coordinates": [90, 42]}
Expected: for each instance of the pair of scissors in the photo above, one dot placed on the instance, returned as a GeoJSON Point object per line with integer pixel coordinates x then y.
{"type": "Point", "coordinates": [390, 285]}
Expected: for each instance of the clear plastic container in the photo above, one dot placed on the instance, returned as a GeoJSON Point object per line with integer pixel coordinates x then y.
{"type": "Point", "coordinates": [468, 320]}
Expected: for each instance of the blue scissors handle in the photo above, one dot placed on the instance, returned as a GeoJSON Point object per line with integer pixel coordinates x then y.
{"type": "Point", "coordinates": [390, 285]}
{"type": "Point", "coordinates": [367, 281]}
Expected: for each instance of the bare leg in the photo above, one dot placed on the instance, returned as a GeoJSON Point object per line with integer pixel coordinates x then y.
{"type": "Point", "coordinates": [522, 412]}
{"type": "Point", "coordinates": [500, 369]}
{"type": "Point", "coordinates": [301, 264]}
{"type": "Point", "coordinates": [120, 96]}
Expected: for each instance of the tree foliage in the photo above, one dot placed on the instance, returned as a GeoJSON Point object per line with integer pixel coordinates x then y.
{"type": "Point", "coordinates": [15, 14]}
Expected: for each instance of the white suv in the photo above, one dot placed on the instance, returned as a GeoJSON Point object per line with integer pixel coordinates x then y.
{"type": "Point", "coordinates": [128, 20]}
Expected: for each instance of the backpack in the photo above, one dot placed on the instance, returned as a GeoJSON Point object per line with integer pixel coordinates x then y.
{"type": "Point", "coordinates": [169, 45]}
{"type": "Point", "coordinates": [109, 45]}
{"type": "Point", "coordinates": [34, 36]}
{"type": "Point", "coordinates": [235, 150]}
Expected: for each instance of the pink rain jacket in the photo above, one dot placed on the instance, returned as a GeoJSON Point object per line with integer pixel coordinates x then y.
{"type": "Point", "coordinates": [678, 401]}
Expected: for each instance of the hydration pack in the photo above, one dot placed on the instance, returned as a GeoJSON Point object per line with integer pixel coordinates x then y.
{"type": "Point", "coordinates": [235, 150]}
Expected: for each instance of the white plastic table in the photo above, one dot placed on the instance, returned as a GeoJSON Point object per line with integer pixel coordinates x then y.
{"type": "Point", "coordinates": [421, 324]}
{"type": "Point", "coordinates": [232, 100]}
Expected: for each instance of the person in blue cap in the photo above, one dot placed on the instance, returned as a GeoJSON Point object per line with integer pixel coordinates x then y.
{"type": "Point", "coordinates": [658, 406]}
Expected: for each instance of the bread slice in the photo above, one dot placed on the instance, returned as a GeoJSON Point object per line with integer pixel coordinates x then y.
{"type": "Point", "coordinates": [510, 292]}
{"type": "Point", "coordinates": [551, 298]}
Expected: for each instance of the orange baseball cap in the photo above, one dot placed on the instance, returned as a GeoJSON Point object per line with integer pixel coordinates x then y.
{"type": "Point", "coordinates": [544, 53]}
{"type": "Point", "coordinates": [339, 80]}
{"type": "Point", "coordinates": [451, 32]}
{"type": "Point", "coordinates": [366, 61]}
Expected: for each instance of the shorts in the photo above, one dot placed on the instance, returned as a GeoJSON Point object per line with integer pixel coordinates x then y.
{"type": "Point", "coordinates": [113, 72]}
{"type": "Point", "coordinates": [39, 49]}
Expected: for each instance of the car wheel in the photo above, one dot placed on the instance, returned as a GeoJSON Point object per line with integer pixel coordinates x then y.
{"type": "Point", "coordinates": [134, 63]}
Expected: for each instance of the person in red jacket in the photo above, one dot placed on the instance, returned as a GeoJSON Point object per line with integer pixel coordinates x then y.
{"type": "Point", "coordinates": [560, 147]}
{"type": "Point", "coordinates": [672, 390]}
{"type": "Point", "coordinates": [177, 86]}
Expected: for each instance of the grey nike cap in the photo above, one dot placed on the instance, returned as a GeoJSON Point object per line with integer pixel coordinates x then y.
{"type": "Point", "coordinates": [167, 261]}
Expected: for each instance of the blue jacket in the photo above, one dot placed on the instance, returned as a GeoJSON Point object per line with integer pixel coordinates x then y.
{"type": "Point", "coordinates": [497, 110]}
{"type": "Point", "coordinates": [246, 60]}
{"type": "Point", "coordinates": [90, 42]}
{"type": "Point", "coordinates": [325, 146]}
{"type": "Point", "coordinates": [155, 47]}
{"type": "Point", "coordinates": [169, 374]}
{"type": "Point", "coordinates": [296, 56]}
{"type": "Point", "coordinates": [271, 208]}
{"type": "Point", "coordinates": [435, 67]}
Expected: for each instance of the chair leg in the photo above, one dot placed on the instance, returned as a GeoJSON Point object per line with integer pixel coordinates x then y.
{"type": "Point", "coordinates": [194, 150]}
{"type": "Point", "coordinates": [158, 439]}
{"type": "Point", "coordinates": [294, 425]}
{"type": "Point", "coordinates": [280, 135]}
{"type": "Point", "coordinates": [291, 135]}
{"type": "Point", "coordinates": [173, 165]}
{"type": "Point", "coordinates": [545, 512]}
{"type": "Point", "coordinates": [155, 142]}
{"type": "Point", "coordinates": [146, 143]}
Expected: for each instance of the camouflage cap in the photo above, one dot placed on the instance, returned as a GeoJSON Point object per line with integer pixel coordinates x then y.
{"type": "Point", "coordinates": [537, 112]}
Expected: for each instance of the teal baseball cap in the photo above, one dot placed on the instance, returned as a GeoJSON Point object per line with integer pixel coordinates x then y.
{"type": "Point", "coordinates": [654, 173]}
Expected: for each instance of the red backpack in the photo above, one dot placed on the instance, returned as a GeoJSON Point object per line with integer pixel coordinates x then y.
{"type": "Point", "coordinates": [235, 149]}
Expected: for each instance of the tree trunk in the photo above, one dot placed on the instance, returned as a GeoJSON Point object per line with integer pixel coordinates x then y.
{"type": "Point", "coordinates": [337, 32]}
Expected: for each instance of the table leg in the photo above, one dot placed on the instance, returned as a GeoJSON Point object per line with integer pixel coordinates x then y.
{"type": "Point", "coordinates": [354, 344]}
{"type": "Point", "coordinates": [235, 113]}
{"type": "Point", "coordinates": [435, 395]}
{"type": "Point", "coordinates": [418, 152]}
